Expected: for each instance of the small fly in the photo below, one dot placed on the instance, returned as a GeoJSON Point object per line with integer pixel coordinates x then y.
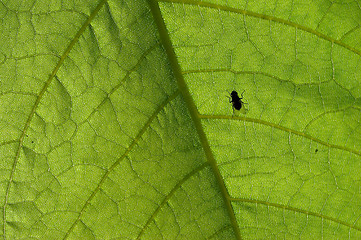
{"type": "Point", "coordinates": [236, 101]}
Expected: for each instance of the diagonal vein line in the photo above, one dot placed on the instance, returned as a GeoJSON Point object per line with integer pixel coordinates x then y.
{"type": "Point", "coordinates": [170, 194]}
{"type": "Point", "coordinates": [259, 121]}
{"type": "Point", "coordinates": [8, 142]}
{"type": "Point", "coordinates": [131, 146]}
{"type": "Point", "coordinates": [37, 101]}
{"type": "Point", "coordinates": [276, 205]}
{"type": "Point", "coordinates": [177, 71]}
{"type": "Point", "coordinates": [266, 17]}
{"type": "Point", "coordinates": [246, 72]}
{"type": "Point", "coordinates": [121, 82]}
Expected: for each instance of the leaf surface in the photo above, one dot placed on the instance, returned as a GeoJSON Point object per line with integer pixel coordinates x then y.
{"type": "Point", "coordinates": [116, 124]}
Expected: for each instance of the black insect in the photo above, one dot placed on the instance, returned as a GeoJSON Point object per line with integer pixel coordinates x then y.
{"type": "Point", "coordinates": [236, 101]}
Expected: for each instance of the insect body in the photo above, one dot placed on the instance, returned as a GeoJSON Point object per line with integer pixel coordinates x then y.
{"type": "Point", "coordinates": [236, 100]}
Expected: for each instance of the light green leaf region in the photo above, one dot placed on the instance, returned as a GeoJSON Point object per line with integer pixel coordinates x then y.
{"type": "Point", "coordinates": [115, 121]}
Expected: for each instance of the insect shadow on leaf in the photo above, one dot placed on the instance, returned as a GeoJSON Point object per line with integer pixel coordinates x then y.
{"type": "Point", "coordinates": [236, 101]}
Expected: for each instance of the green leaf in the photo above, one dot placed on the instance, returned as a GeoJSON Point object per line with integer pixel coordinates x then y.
{"type": "Point", "coordinates": [115, 121]}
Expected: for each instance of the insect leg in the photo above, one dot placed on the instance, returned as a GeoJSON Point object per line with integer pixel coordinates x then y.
{"type": "Point", "coordinates": [229, 98]}
{"type": "Point", "coordinates": [242, 94]}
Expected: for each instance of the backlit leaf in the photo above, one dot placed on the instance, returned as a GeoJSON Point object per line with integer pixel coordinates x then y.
{"type": "Point", "coordinates": [115, 120]}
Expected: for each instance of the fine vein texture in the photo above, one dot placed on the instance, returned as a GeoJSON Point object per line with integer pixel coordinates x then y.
{"type": "Point", "coordinates": [115, 120]}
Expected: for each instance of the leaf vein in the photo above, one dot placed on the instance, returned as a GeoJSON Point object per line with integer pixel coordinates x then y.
{"type": "Point", "coordinates": [276, 205]}
{"type": "Point", "coordinates": [37, 101]}
{"type": "Point", "coordinates": [164, 36]}
{"type": "Point", "coordinates": [265, 17]}
{"type": "Point", "coordinates": [171, 193]}
{"type": "Point", "coordinates": [116, 163]}
{"type": "Point", "coordinates": [259, 121]}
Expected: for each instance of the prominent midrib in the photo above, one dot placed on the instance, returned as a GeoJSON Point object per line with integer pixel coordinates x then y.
{"type": "Point", "coordinates": [266, 17]}
{"type": "Point", "coordinates": [164, 36]}
{"type": "Point", "coordinates": [36, 104]}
